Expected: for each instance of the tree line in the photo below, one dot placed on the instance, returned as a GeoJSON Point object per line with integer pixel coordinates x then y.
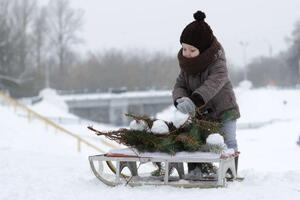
{"type": "Point", "coordinates": [282, 70]}
{"type": "Point", "coordinates": [37, 42]}
{"type": "Point", "coordinates": [38, 49]}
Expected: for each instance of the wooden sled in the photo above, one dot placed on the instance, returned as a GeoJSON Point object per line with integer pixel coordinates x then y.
{"type": "Point", "coordinates": [129, 158]}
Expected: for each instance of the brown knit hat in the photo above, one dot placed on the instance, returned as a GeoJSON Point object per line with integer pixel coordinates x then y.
{"type": "Point", "coordinates": [198, 33]}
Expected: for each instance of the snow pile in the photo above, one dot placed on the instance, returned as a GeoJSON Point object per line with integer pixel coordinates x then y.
{"type": "Point", "coordinates": [50, 95]}
{"type": "Point", "coordinates": [53, 107]}
{"type": "Point", "coordinates": [159, 127]}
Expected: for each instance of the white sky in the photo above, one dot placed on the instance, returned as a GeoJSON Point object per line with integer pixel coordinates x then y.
{"type": "Point", "coordinates": [156, 24]}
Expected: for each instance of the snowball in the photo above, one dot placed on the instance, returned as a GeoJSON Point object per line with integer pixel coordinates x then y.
{"type": "Point", "coordinates": [215, 138]}
{"type": "Point", "coordinates": [179, 119]}
{"type": "Point", "coordinates": [159, 127]}
{"type": "Point", "coordinates": [171, 114]}
{"type": "Point", "coordinates": [138, 125]}
{"type": "Point", "coordinates": [166, 114]}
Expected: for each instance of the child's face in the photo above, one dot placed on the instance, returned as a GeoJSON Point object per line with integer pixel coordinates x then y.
{"type": "Point", "coordinates": [189, 51]}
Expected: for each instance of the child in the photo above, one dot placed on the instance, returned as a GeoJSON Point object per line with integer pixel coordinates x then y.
{"type": "Point", "coordinates": [203, 88]}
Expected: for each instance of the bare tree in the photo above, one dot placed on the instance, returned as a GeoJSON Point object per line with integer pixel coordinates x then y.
{"type": "Point", "coordinates": [293, 55]}
{"type": "Point", "coordinates": [64, 25]}
{"type": "Point", "coordinates": [40, 29]}
{"type": "Point", "coordinates": [40, 54]}
{"type": "Point", "coordinates": [272, 71]}
{"type": "Point", "coordinates": [6, 44]}
{"type": "Point", "coordinates": [22, 17]}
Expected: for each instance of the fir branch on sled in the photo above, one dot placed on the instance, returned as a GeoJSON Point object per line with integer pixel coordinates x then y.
{"type": "Point", "coordinates": [152, 135]}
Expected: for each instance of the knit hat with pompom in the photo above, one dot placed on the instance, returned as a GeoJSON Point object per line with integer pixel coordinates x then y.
{"type": "Point", "coordinates": [198, 33]}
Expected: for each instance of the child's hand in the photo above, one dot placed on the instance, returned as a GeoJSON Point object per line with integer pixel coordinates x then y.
{"type": "Point", "coordinates": [186, 105]}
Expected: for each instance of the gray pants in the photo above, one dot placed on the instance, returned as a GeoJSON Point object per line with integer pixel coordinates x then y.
{"type": "Point", "coordinates": [229, 130]}
{"type": "Point", "coordinates": [229, 133]}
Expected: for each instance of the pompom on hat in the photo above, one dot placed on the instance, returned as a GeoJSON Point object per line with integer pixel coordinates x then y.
{"type": "Point", "coordinates": [198, 33]}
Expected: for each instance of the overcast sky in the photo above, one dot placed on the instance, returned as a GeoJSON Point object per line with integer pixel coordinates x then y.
{"type": "Point", "coordinates": [156, 25]}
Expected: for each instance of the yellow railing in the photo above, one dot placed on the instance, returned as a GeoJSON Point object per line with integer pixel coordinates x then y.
{"type": "Point", "coordinates": [32, 114]}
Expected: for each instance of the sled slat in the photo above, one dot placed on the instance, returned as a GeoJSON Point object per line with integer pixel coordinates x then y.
{"type": "Point", "coordinates": [128, 159]}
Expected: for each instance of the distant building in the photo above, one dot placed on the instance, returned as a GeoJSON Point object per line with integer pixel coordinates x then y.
{"type": "Point", "coordinates": [111, 107]}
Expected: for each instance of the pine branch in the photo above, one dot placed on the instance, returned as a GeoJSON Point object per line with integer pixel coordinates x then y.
{"type": "Point", "coordinates": [113, 135]}
{"type": "Point", "coordinates": [190, 136]}
{"type": "Point", "coordinates": [210, 126]}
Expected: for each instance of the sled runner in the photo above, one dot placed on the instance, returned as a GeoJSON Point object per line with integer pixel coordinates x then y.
{"type": "Point", "coordinates": [133, 160]}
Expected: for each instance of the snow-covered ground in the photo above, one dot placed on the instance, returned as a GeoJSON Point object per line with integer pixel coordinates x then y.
{"type": "Point", "coordinates": [40, 163]}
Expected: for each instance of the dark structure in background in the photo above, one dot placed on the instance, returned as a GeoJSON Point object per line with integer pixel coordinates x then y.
{"type": "Point", "coordinates": [110, 108]}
